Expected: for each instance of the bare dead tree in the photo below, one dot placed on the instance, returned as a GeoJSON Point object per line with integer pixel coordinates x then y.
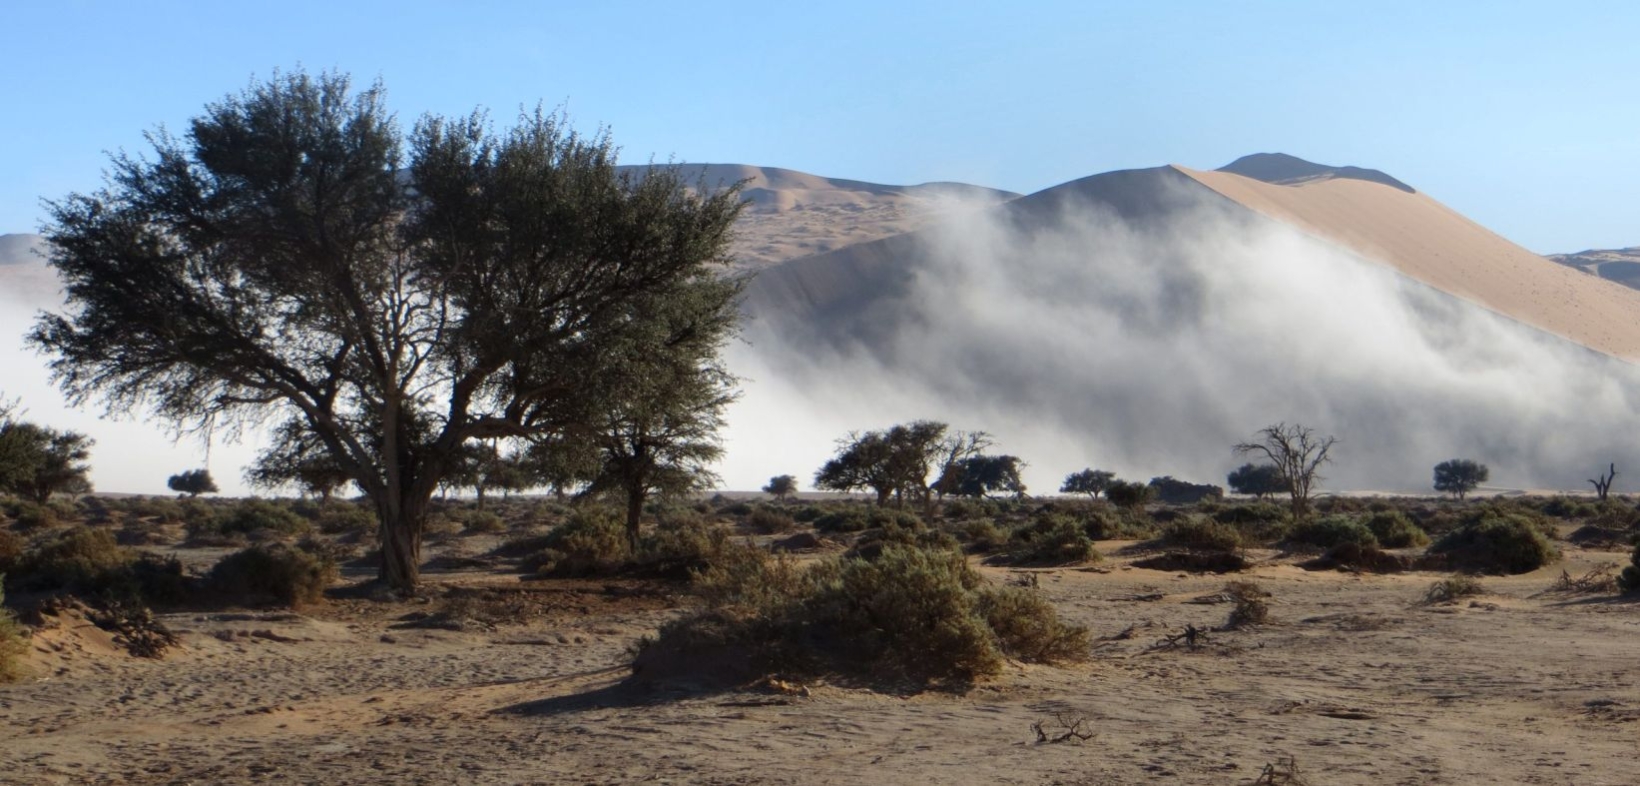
{"type": "Point", "coordinates": [1298, 452]}
{"type": "Point", "coordinates": [1603, 486]}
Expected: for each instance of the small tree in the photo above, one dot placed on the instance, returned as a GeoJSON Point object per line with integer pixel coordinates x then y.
{"type": "Point", "coordinates": [1298, 452]}
{"type": "Point", "coordinates": [781, 487]}
{"type": "Point", "coordinates": [978, 476]}
{"type": "Point", "coordinates": [1091, 482]}
{"type": "Point", "coordinates": [1458, 477]}
{"type": "Point", "coordinates": [193, 483]}
{"type": "Point", "coordinates": [1259, 480]}
{"type": "Point", "coordinates": [1603, 485]}
{"type": "Point", "coordinates": [894, 463]}
{"type": "Point", "coordinates": [39, 461]}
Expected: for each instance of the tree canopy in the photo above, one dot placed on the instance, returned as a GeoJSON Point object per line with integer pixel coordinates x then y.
{"type": "Point", "coordinates": [897, 462]}
{"type": "Point", "coordinates": [1091, 482]}
{"type": "Point", "coordinates": [1458, 477]}
{"type": "Point", "coordinates": [193, 482]}
{"type": "Point", "coordinates": [1298, 452]}
{"type": "Point", "coordinates": [397, 297]}
{"type": "Point", "coordinates": [1259, 480]}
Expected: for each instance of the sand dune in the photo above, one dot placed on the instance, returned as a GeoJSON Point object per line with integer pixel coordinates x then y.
{"type": "Point", "coordinates": [1434, 244]}
{"type": "Point", "coordinates": [1621, 265]}
{"type": "Point", "coordinates": [795, 214]}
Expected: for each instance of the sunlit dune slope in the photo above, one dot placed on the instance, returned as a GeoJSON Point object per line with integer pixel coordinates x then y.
{"type": "Point", "coordinates": [1431, 243]}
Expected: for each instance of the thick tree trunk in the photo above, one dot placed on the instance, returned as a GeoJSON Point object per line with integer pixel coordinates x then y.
{"type": "Point", "coordinates": [634, 516]}
{"type": "Point", "coordinates": [401, 527]}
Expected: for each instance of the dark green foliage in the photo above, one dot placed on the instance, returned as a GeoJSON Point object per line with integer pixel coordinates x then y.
{"type": "Point", "coordinates": [808, 514]}
{"type": "Point", "coordinates": [591, 541]}
{"type": "Point", "coordinates": [91, 562]}
{"type": "Point", "coordinates": [982, 476]}
{"type": "Point", "coordinates": [32, 516]}
{"type": "Point", "coordinates": [1172, 491]}
{"type": "Point", "coordinates": [1331, 531]}
{"type": "Point", "coordinates": [337, 518]}
{"type": "Point", "coordinates": [1131, 495]}
{"type": "Point", "coordinates": [193, 482]}
{"type": "Point", "coordinates": [252, 516]}
{"type": "Point", "coordinates": [857, 519]}
{"type": "Point", "coordinates": [781, 487]}
{"type": "Point", "coordinates": [36, 461]}
{"type": "Point", "coordinates": [913, 613]}
{"type": "Point", "coordinates": [1201, 533]}
{"type": "Point", "coordinates": [1258, 480]}
{"type": "Point", "coordinates": [539, 291]}
{"type": "Point", "coordinates": [1569, 508]}
{"type": "Point", "coordinates": [981, 536]}
{"type": "Point", "coordinates": [1394, 530]}
{"type": "Point", "coordinates": [1091, 482]}
{"type": "Point", "coordinates": [480, 522]}
{"type": "Point", "coordinates": [1498, 543]}
{"type": "Point", "coordinates": [871, 543]}
{"type": "Point", "coordinates": [1259, 522]}
{"type": "Point", "coordinates": [771, 522]}
{"type": "Point", "coordinates": [1052, 539]}
{"type": "Point", "coordinates": [1629, 580]}
{"type": "Point", "coordinates": [1107, 524]}
{"type": "Point", "coordinates": [1458, 477]}
{"type": "Point", "coordinates": [272, 572]}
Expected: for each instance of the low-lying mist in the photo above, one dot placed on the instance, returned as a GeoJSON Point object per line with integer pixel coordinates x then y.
{"type": "Point", "coordinates": [1084, 340]}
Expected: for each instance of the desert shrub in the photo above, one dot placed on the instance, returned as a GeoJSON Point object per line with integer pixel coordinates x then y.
{"type": "Point", "coordinates": [771, 522]}
{"type": "Point", "coordinates": [81, 558]}
{"type": "Point", "coordinates": [680, 550]}
{"type": "Point", "coordinates": [808, 514]}
{"type": "Point", "coordinates": [911, 612]}
{"type": "Point", "coordinates": [845, 520]}
{"type": "Point", "coordinates": [480, 522]}
{"type": "Point", "coordinates": [1250, 607]}
{"type": "Point", "coordinates": [12, 546]}
{"type": "Point", "coordinates": [256, 515]}
{"type": "Point", "coordinates": [1452, 588]}
{"type": "Point", "coordinates": [273, 571]}
{"type": "Point", "coordinates": [1339, 505]}
{"type": "Point", "coordinates": [741, 508]}
{"type": "Point", "coordinates": [981, 536]}
{"type": "Point", "coordinates": [339, 518]}
{"type": "Point", "coordinates": [13, 642]}
{"type": "Point", "coordinates": [1028, 628]}
{"type": "Point", "coordinates": [1498, 544]}
{"type": "Point", "coordinates": [92, 562]}
{"type": "Point", "coordinates": [1562, 507]}
{"type": "Point", "coordinates": [1629, 579]}
{"type": "Point", "coordinates": [1330, 531]}
{"type": "Point", "coordinates": [1129, 494]}
{"type": "Point", "coordinates": [1200, 532]}
{"type": "Point", "coordinates": [590, 541]}
{"type": "Point", "coordinates": [1394, 530]}
{"type": "Point", "coordinates": [871, 543]}
{"type": "Point", "coordinates": [959, 509]}
{"type": "Point", "coordinates": [1107, 524]}
{"type": "Point", "coordinates": [30, 516]}
{"type": "Point", "coordinates": [1052, 539]}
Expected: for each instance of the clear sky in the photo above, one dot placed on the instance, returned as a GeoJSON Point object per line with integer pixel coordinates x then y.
{"type": "Point", "coordinates": [1522, 116]}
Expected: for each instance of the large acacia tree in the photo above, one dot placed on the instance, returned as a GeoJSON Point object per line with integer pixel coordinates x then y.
{"type": "Point", "coordinates": [294, 255]}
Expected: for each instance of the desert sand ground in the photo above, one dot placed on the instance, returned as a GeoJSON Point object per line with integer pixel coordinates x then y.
{"type": "Point", "coordinates": [1354, 679]}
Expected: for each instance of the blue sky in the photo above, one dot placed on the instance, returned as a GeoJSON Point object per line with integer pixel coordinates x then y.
{"type": "Point", "coordinates": [1522, 116]}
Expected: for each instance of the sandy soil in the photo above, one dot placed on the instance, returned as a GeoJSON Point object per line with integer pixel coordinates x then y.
{"type": "Point", "coordinates": [1353, 678]}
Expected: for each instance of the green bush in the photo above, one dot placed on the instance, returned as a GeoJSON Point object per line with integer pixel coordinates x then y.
{"type": "Point", "coordinates": [1394, 530]}
{"type": "Point", "coordinates": [808, 514]}
{"type": "Point", "coordinates": [1028, 628]}
{"type": "Point", "coordinates": [1331, 531]}
{"type": "Point", "coordinates": [870, 544]}
{"type": "Point", "coordinates": [1106, 524]}
{"type": "Point", "coordinates": [1500, 544]}
{"type": "Point", "coordinates": [771, 522]}
{"type": "Point", "coordinates": [273, 571]}
{"type": "Point", "coordinates": [339, 518]}
{"type": "Point", "coordinates": [1629, 580]}
{"type": "Point", "coordinates": [91, 561]}
{"type": "Point", "coordinates": [592, 541]}
{"type": "Point", "coordinates": [480, 522]}
{"type": "Point", "coordinates": [912, 612]}
{"type": "Point", "coordinates": [13, 643]}
{"type": "Point", "coordinates": [1201, 533]}
{"type": "Point", "coordinates": [1452, 588]}
{"type": "Point", "coordinates": [1052, 539]}
{"type": "Point", "coordinates": [981, 536]}
{"type": "Point", "coordinates": [256, 515]}
{"type": "Point", "coordinates": [845, 520]}
{"type": "Point", "coordinates": [29, 516]}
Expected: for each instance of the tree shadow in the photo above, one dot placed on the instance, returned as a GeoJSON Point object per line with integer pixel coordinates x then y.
{"type": "Point", "coordinates": [626, 693]}
{"type": "Point", "coordinates": [1599, 600]}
